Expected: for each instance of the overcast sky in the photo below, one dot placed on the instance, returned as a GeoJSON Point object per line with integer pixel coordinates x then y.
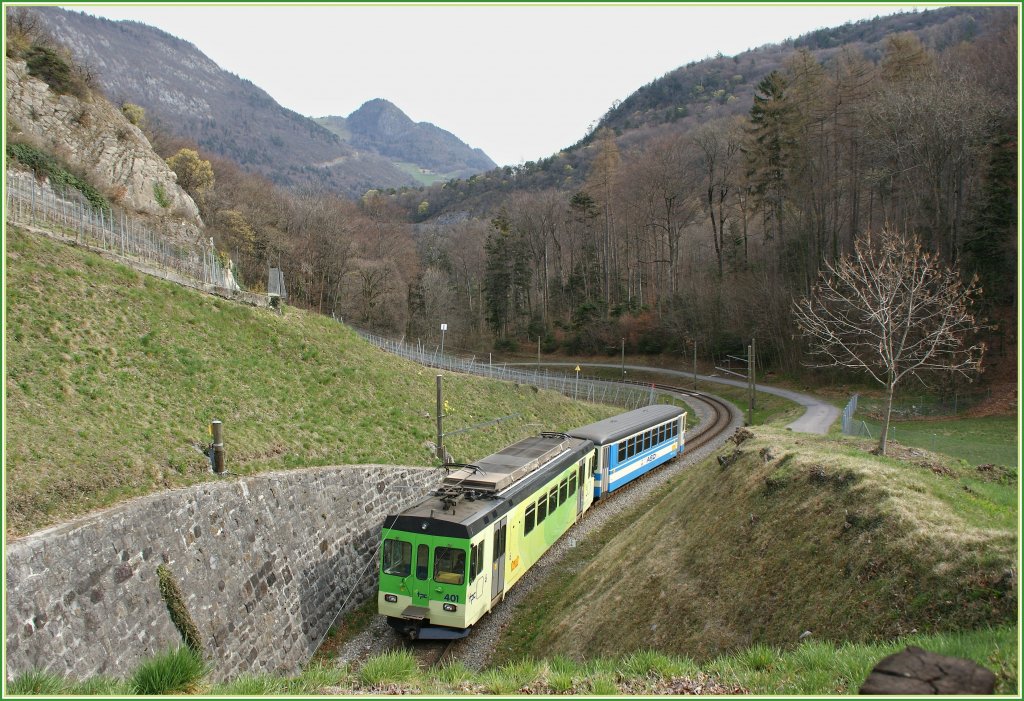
{"type": "Point", "coordinates": [519, 82]}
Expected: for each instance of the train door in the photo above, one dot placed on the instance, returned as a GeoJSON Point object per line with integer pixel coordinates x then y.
{"type": "Point", "coordinates": [421, 576]}
{"type": "Point", "coordinates": [581, 480]}
{"type": "Point", "coordinates": [498, 560]}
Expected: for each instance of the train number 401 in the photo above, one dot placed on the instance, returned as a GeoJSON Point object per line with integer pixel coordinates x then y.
{"type": "Point", "coordinates": [454, 598]}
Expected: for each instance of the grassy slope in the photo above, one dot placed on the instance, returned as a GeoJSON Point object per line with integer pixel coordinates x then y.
{"type": "Point", "coordinates": [112, 376]}
{"type": "Point", "coordinates": [820, 536]}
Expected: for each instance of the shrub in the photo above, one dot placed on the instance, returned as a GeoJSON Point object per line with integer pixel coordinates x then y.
{"type": "Point", "coordinates": [49, 66]}
{"type": "Point", "coordinates": [160, 194]}
{"type": "Point", "coordinates": [134, 113]}
{"type": "Point", "coordinates": [175, 671]}
{"type": "Point", "coordinates": [179, 613]}
{"type": "Point", "coordinates": [45, 165]}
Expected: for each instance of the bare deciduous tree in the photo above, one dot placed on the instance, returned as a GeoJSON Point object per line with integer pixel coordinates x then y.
{"type": "Point", "coordinates": [893, 310]}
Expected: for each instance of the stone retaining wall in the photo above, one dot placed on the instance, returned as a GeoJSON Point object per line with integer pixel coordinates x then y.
{"type": "Point", "coordinates": [265, 564]}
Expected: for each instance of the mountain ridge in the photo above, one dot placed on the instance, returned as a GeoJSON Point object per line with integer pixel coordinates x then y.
{"type": "Point", "coordinates": [187, 95]}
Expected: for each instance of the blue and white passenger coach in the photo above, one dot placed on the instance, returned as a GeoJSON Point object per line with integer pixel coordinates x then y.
{"type": "Point", "coordinates": [631, 444]}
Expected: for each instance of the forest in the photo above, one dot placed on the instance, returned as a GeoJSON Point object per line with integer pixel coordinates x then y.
{"type": "Point", "coordinates": [679, 231]}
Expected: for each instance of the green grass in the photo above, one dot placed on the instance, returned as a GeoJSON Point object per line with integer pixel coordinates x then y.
{"type": "Point", "coordinates": [394, 667]}
{"type": "Point", "coordinates": [978, 441]}
{"type": "Point", "coordinates": [176, 671]}
{"type": "Point", "coordinates": [252, 685]}
{"type": "Point", "coordinates": [813, 668]}
{"type": "Point", "coordinates": [421, 177]}
{"type": "Point", "coordinates": [36, 682]}
{"type": "Point", "coordinates": [113, 378]}
{"type": "Point", "coordinates": [805, 532]}
{"type": "Point", "coordinates": [817, 668]}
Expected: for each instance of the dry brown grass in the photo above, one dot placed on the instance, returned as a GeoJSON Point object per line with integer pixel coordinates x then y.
{"type": "Point", "coordinates": [799, 533]}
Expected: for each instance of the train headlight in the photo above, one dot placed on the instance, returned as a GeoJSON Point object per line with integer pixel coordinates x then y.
{"type": "Point", "coordinates": [450, 608]}
{"type": "Point", "coordinates": [391, 598]}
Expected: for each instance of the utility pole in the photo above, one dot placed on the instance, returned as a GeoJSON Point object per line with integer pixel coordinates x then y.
{"type": "Point", "coordinates": [444, 327]}
{"type": "Point", "coordinates": [753, 373]}
{"type": "Point", "coordinates": [538, 352]}
{"type": "Point", "coordinates": [750, 386]}
{"type": "Point", "coordinates": [695, 365]}
{"type": "Point", "coordinates": [623, 358]}
{"type": "Point", "coordinates": [440, 421]}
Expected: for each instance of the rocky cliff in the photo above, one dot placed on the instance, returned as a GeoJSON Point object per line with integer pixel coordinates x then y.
{"type": "Point", "coordinates": [93, 137]}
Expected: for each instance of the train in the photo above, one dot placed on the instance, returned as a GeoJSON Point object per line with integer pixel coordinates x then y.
{"type": "Point", "coordinates": [453, 556]}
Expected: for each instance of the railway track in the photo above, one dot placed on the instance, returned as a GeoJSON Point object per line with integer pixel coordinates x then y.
{"type": "Point", "coordinates": [721, 416]}
{"type": "Point", "coordinates": [430, 653]}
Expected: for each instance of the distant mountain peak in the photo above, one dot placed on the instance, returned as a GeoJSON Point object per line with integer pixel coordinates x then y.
{"type": "Point", "coordinates": [380, 117]}
{"type": "Point", "coordinates": [378, 125]}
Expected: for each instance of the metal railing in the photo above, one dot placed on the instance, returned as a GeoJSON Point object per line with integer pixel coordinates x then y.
{"type": "Point", "coordinates": [68, 214]}
{"type": "Point", "coordinates": [630, 395]}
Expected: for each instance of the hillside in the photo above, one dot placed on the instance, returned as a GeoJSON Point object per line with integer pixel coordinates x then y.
{"type": "Point", "coordinates": [724, 85]}
{"type": "Point", "coordinates": [187, 95]}
{"type": "Point", "coordinates": [701, 92]}
{"type": "Point", "coordinates": [792, 534]}
{"type": "Point", "coordinates": [381, 127]}
{"type": "Point", "coordinates": [113, 378]}
{"type": "Point", "coordinates": [59, 127]}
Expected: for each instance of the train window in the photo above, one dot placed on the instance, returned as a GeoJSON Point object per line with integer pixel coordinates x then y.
{"type": "Point", "coordinates": [572, 484]}
{"type": "Point", "coordinates": [542, 510]}
{"type": "Point", "coordinates": [552, 500]}
{"type": "Point", "coordinates": [474, 560]}
{"type": "Point", "coordinates": [673, 429]}
{"type": "Point", "coordinates": [531, 514]}
{"type": "Point", "coordinates": [631, 447]}
{"type": "Point", "coordinates": [647, 439]}
{"type": "Point", "coordinates": [499, 541]}
{"type": "Point", "coordinates": [662, 430]}
{"type": "Point", "coordinates": [397, 557]}
{"type": "Point", "coordinates": [449, 565]}
{"type": "Point", "coordinates": [422, 561]}
{"type": "Point", "coordinates": [563, 490]}
{"type": "Point", "coordinates": [622, 451]}
{"type": "Point", "coordinates": [593, 465]}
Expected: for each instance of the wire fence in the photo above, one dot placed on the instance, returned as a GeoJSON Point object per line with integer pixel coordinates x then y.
{"type": "Point", "coordinates": [630, 395]}
{"type": "Point", "coordinates": [872, 410]}
{"type": "Point", "coordinates": [848, 412]}
{"type": "Point", "coordinates": [66, 213]}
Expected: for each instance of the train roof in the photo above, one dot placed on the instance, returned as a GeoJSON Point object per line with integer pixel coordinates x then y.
{"type": "Point", "coordinates": [491, 486]}
{"type": "Point", "coordinates": [617, 427]}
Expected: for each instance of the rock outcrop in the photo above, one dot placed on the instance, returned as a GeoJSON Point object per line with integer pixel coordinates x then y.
{"type": "Point", "coordinates": [93, 136]}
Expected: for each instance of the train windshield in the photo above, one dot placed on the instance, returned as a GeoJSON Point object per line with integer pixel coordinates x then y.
{"type": "Point", "coordinates": [449, 565]}
{"type": "Point", "coordinates": [397, 557]}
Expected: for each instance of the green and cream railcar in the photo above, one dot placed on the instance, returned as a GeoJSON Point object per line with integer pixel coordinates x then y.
{"type": "Point", "coordinates": [447, 560]}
